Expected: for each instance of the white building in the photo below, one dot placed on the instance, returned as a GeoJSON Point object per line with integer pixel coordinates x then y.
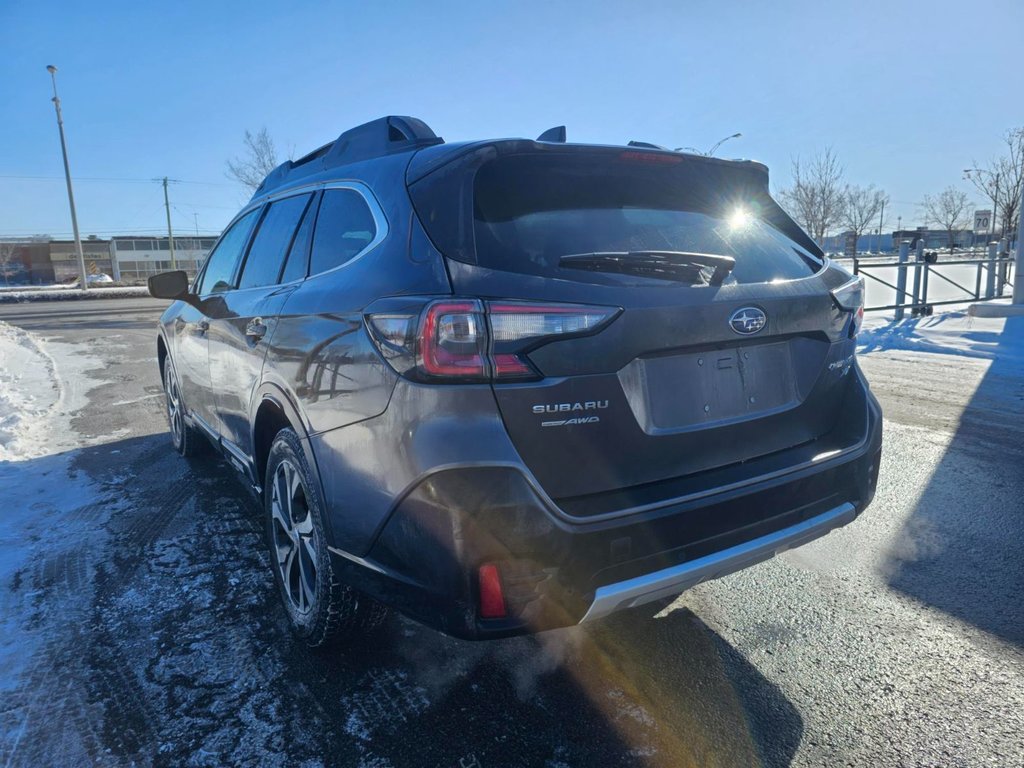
{"type": "Point", "coordinates": [136, 258]}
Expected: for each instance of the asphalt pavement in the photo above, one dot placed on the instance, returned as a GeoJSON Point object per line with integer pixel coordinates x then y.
{"type": "Point", "coordinates": [896, 641]}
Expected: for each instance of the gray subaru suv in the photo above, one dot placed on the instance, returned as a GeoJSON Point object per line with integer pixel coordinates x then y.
{"type": "Point", "coordinates": [505, 386]}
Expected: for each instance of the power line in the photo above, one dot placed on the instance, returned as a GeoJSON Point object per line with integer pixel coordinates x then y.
{"type": "Point", "coordinates": [117, 179]}
{"type": "Point", "coordinates": [117, 230]}
{"type": "Point", "coordinates": [203, 205]}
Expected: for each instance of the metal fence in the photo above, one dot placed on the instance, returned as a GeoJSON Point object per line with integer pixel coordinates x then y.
{"type": "Point", "coordinates": [924, 283]}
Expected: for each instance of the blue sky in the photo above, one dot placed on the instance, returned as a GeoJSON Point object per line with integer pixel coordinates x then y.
{"type": "Point", "coordinates": [907, 93]}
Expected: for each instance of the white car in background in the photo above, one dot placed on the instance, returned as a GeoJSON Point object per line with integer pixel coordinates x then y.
{"type": "Point", "coordinates": [98, 278]}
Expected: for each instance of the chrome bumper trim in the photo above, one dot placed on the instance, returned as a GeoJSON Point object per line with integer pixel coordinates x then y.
{"type": "Point", "coordinates": [679, 578]}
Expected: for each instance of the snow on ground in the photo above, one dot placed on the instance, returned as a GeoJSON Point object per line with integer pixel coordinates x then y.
{"type": "Point", "coordinates": [28, 391]}
{"type": "Point", "coordinates": [15, 288]}
{"type": "Point", "coordinates": [71, 294]}
{"type": "Point", "coordinates": [38, 397]}
{"type": "Point", "coordinates": [952, 332]}
{"type": "Point", "coordinates": [42, 385]}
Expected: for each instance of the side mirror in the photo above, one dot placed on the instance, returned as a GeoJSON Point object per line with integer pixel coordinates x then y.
{"type": "Point", "coordinates": [169, 285]}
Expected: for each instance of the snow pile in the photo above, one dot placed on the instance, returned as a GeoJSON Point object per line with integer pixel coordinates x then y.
{"type": "Point", "coordinates": [72, 294]}
{"type": "Point", "coordinates": [43, 384]}
{"type": "Point", "coordinates": [28, 393]}
{"type": "Point", "coordinates": [956, 333]}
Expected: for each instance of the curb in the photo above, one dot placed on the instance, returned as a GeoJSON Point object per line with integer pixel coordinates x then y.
{"type": "Point", "coordinates": [22, 297]}
{"type": "Point", "coordinates": [996, 310]}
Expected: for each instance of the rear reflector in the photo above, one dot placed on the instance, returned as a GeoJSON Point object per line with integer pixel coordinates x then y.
{"type": "Point", "coordinates": [492, 600]}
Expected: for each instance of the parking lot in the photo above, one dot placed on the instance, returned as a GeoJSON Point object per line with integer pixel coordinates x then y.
{"type": "Point", "coordinates": [140, 625]}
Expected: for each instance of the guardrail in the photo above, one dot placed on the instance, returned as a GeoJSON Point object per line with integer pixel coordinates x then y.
{"type": "Point", "coordinates": [913, 279]}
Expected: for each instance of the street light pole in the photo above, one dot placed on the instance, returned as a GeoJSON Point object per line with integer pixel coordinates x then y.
{"type": "Point", "coordinates": [711, 152]}
{"type": "Point", "coordinates": [67, 176]}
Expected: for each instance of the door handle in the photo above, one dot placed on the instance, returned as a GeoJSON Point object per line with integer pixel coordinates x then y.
{"type": "Point", "coordinates": [255, 329]}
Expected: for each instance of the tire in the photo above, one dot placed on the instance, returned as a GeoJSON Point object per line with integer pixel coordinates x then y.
{"type": "Point", "coordinates": [186, 439]}
{"type": "Point", "coordinates": [320, 609]}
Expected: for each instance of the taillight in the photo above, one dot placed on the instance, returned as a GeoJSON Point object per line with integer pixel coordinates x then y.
{"type": "Point", "coordinates": [850, 298]}
{"type": "Point", "coordinates": [470, 340]}
{"type": "Point", "coordinates": [453, 340]}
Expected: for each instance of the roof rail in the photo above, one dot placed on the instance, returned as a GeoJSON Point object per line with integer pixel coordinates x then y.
{"type": "Point", "coordinates": [384, 136]}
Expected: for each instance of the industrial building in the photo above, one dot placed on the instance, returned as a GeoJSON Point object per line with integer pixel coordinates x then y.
{"type": "Point", "coordinates": [41, 260]}
{"type": "Point", "coordinates": [139, 257]}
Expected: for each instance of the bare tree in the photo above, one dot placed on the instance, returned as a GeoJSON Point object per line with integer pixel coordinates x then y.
{"type": "Point", "coordinates": [950, 210]}
{"type": "Point", "coordinates": [1011, 175]}
{"type": "Point", "coordinates": [260, 158]}
{"type": "Point", "coordinates": [861, 208]}
{"type": "Point", "coordinates": [816, 198]}
{"type": "Point", "coordinates": [1001, 180]}
{"type": "Point", "coordinates": [7, 260]}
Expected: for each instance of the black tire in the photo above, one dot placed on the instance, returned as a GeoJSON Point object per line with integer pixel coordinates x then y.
{"type": "Point", "coordinates": [321, 610]}
{"type": "Point", "coordinates": [186, 439]}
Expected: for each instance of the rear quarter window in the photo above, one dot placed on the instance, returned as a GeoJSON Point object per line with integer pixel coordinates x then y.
{"type": "Point", "coordinates": [345, 227]}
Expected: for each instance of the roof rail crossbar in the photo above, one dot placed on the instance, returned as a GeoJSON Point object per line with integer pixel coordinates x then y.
{"type": "Point", "coordinates": [377, 138]}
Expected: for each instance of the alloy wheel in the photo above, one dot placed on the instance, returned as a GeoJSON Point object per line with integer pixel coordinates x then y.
{"type": "Point", "coordinates": [175, 418]}
{"type": "Point", "coordinates": [295, 545]}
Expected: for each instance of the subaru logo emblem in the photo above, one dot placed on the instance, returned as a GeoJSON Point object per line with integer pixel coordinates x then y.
{"type": "Point", "coordinates": [747, 321]}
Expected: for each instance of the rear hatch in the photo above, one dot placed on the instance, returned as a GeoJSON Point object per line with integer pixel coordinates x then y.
{"type": "Point", "coordinates": [706, 365]}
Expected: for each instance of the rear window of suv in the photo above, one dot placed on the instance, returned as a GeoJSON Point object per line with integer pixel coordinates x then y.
{"type": "Point", "coordinates": [530, 210]}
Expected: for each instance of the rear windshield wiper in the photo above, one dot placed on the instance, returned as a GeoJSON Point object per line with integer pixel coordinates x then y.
{"type": "Point", "coordinates": [680, 266]}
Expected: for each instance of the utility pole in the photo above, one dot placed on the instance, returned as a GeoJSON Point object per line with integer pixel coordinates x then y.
{"type": "Point", "coordinates": [995, 208]}
{"type": "Point", "coordinates": [1018, 282]}
{"type": "Point", "coordinates": [881, 217]}
{"type": "Point", "coordinates": [67, 176]}
{"type": "Point", "coordinates": [195, 217]}
{"type": "Point", "coordinates": [170, 234]}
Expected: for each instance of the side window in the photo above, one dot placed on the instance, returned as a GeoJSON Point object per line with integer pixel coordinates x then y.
{"type": "Point", "coordinates": [220, 267]}
{"type": "Point", "coordinates": [344, 227]}
{"type": "Point", "coordinates": [298, 256]}
{"type": "Point", "coordinates": [271, 242]}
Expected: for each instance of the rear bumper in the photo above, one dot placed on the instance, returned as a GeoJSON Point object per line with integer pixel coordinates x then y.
{"type": "Point", "coordinates": [672, 581]}
{"type": "Point", "coordinates": [559, 569]}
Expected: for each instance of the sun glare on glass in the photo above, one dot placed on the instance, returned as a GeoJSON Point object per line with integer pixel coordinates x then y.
{"type": "Point", "coordinates": [740, 219]}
